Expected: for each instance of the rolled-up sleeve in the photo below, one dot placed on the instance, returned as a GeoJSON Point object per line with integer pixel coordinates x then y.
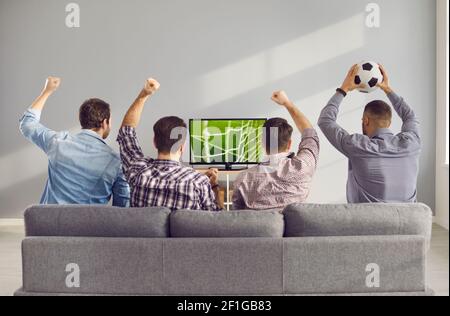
{"type": "Point", "coordinates": [133, 159]}
{"type": "Point", "coordinates": [309, 149]}
{"type": "Point", "coordinates": [121, 191]}
{"type": "Point", "coordinates": [35, 132]}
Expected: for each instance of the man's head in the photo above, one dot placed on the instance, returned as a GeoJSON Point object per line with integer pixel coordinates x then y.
{"type": "Point", "coordinates": [377, 114]}
{"type": "Point", "coordinates": [95, 115]}
{"type": "Point", "coordinates": [277, 136]}
{"type": "Point", "coordinates": [170, 136]}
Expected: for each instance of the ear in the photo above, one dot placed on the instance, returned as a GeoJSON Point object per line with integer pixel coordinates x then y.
{"type": "Point", "coordinates": [366, 120]}
{"type": "Point", "coordinates": [182, 148]}
{"type": "Point", "coordinates": [289, 145]}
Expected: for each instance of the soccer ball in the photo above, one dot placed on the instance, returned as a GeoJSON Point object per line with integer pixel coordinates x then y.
{"type": "Point", "coordinates": [369, 76]}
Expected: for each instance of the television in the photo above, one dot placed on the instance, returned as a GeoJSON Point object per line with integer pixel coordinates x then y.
{"type": "Point", "coordinates": [226, 142]}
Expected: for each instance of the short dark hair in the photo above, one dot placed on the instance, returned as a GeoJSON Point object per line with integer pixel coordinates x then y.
{"type": "Point", "coordinates": [163, 129]}
{"type": "Point", "coordinates": [284, 134]}
{"type": "Point", "coordinates": [380, 110]}
{"type": "Point", "coordinates": [93, 112]}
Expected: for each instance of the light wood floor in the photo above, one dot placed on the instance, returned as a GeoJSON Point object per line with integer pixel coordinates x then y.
{"type": "Point", "coordinates": [11, 274]}
{"type": "Point", "coordinates": [10, 259]}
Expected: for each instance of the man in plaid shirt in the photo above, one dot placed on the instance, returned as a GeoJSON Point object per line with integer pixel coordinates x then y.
{"type": "Point", "coordinates": [164, 182]}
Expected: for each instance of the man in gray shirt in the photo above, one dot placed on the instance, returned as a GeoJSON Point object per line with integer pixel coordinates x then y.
{"type": "Point", "coordinates": [383, 167]}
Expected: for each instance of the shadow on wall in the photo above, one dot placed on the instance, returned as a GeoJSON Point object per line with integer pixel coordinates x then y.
{"type": "Point", "coordinates": [330, 179]}
{"type": "Point", "coordinates": [283, 61]}
{"type": "Point", "coordinates": [21, 166]}
{"type": "Point", "coordinates": [16, 198]}
{"type": "Point", "coordinates": [24, 173]}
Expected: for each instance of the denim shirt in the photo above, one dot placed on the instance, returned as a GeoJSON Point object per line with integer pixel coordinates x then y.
{"type": "Point", "coordinates": [82, 168]}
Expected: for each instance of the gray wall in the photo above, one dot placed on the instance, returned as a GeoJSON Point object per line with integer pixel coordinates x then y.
{"type": "Point", "coordinates": [213, 59]}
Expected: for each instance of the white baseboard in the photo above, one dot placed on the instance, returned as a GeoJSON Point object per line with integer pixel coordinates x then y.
{"type": "Point", "coordinates": [11, 222]}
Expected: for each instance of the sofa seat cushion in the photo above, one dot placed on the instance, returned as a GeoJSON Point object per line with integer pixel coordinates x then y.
{"type": "Point", "coordinates": [96, 221]}
{"type": "Point", "coordinates": [315, 220]}
{"type": "Point", "coordinates": [234, 224]}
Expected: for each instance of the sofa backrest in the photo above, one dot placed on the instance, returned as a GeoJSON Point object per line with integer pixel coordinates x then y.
{"type": "Point", "coordinates": [96, 221]}
{"type": "Point", "coordinates": [298, 220]}
{"type": "Point", "coordinates": [313, 220]}
{"type": "Point", "coordinates": [234, 224]}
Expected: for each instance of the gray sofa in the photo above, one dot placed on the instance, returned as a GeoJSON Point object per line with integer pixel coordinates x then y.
{"type": "Point", "coordinates": [306, 250]}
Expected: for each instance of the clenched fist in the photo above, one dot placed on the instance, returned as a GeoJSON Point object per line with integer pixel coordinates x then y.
{"type": "Point", "coordinates": [52, 84]}
{"type": "Point", "coordinates": [281, 98]}
{"type": "Point", "coordinates": [213, 175]}
{"type": "Point", "coordinates": [151, 86]}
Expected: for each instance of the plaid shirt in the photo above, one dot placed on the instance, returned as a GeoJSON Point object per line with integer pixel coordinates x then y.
{"type": "Point", "coordinates": [285, 180]}
{"type": "Point", "coordinates": [162, 183]}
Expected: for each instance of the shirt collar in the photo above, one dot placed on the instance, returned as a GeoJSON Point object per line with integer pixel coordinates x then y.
{"type": "Point", "coordinates": [277, 157]}
{"type": "Point", "coordinates": [92, 134]}
{"type": "Point", "coordinates": [166, 162]}
{"type": "Point", "coordinates": [382, 131]}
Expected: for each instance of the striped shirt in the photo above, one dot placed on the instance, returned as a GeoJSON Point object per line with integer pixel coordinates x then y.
{"type": "Point", "coordinates": [285, 179]}
{"type": "Point", "coordinates": [162, 183]}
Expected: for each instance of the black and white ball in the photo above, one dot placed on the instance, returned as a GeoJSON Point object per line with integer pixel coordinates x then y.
{"type": "Point", "coordinates": [369, 76]}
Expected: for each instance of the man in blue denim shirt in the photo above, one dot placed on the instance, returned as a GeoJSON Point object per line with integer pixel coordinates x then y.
{"type": "Point", "coordinates": [83, 169]}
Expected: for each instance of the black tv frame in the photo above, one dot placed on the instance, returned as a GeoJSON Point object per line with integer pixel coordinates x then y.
{"type": "Point", "coordinates": [228, 165]}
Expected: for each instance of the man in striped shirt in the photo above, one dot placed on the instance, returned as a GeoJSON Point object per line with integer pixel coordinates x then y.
{"type": "Point", "coordinates": [164, 182]}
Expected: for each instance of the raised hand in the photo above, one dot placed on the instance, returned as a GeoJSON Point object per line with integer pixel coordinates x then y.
{"type": "Point", "coordinates": [385, 85]}
{"type": "Point", "coordinates": [151, 86]}
{"type": "Point", "coordinates": [281, 98]}
{"type": "Point", "coordinates": [213, 175]}
{"type": "Point", "coordinates": [52, 84]}
{"type": "Point", "coordinates": [349, 82]}
{"type": "Point", "coordinates": [134, 114]}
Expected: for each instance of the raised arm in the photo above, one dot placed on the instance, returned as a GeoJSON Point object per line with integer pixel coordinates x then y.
{"type": "Point", "coordinates": [51, 85]}
{"type": "Point", "coordinates": [335, 134]}
{"type": "Point", "coordinates": [30, 125]}
{"type": "Point", "coordinates": [133, 116]}
{"type": "Point", "coordinates": [411, 123]}
{"type": "Point", "coordinates": [309, 147]}
{"type": "Point", "coordinates": [131, 153]}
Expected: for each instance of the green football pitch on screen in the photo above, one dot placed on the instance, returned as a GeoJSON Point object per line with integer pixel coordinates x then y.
{"type": "Point", "coordinates": [226, 141]}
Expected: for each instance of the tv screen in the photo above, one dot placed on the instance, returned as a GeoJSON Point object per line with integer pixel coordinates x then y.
{"type": "Point", "coordinates": [223, 141]}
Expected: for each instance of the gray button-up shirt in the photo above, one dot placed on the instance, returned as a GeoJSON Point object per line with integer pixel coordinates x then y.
{"type": "Point", "coordinates": [383, 168]}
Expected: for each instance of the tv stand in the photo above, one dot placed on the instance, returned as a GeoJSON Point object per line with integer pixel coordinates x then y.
{"type": "Point", "coordinates": [227, 171]}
